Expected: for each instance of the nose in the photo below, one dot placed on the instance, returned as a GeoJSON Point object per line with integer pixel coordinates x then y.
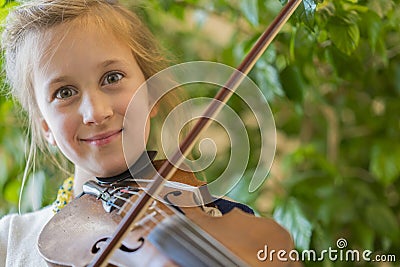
{"type": "Point", "coordinates": [96, 108]}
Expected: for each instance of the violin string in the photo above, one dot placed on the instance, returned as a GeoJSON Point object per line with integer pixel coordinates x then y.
{"type": "Point", "coordinates": [146, 229]}
{"type": "Point", "coordinates": [156, 211]}
{"type": "Point", "coordinates": [188, 231]}
{"type": "Point", "coordinates": [184, 236]}
{"type": "Point", "coordinates": [114, 205]}
{"type": "Point", "coordinates": [130, 192]}
{"type": "Point", "coordinates": [210, 246]}
{"type": "Point", "coordinates": [127, 200]}
{"type": "Point", "coordinates": [160, 211]}
{"type": "Point", "coordinates": [137, 180]}
{"type": "Point", "coordinates": [192, 242]}
{"type": "Point", "coordinates": [146, 219]}
{"type": "Point", "coordinates": [154, 219]}
{"type": "Point", "coordinates": [153, 205]}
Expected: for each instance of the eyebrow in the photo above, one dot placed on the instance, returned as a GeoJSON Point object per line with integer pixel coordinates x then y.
{"type": "Point", "coordinates": [103, 64]}
{"type": "Point", "coordinates": [108, 63]}
{"type": "Point", "coordinates": [57, 80]}
{"type": "Point", "coordinates": [111, 62]}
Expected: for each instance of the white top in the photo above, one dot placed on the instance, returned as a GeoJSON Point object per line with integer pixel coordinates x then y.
{"type": "Point", "coordinates": [18, 238]}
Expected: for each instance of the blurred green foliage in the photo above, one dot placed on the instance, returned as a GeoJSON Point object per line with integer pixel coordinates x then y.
{"type": "Point", "coordinates": [332, 77]}
{"type": "Point", "coordinates": [12, 145]}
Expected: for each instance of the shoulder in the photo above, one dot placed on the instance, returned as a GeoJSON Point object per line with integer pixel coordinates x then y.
{"type": "Point", "coordinates": [18, 238]}
{"type": "Point", "coordinates": [32, 219]}
{"type": "Point", "coordinates": [226, 205]}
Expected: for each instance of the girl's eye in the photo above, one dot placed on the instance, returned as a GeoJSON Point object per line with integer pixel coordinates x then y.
{"type": "Point", "coordinates": [65, 92]}
{"type": "Point", "coordinates": [112, 78]}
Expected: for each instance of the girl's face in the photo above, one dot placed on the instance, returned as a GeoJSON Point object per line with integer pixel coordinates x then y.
{"type": "Point", "coordinates": [83, 86]}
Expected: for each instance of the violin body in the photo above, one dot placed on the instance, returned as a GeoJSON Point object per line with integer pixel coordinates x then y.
{"type": "Point", "coordinates": [75, 234]}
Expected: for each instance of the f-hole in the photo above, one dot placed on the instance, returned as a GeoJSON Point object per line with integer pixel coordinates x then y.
{"type": "Point", "coordinates": [175, 194]}
{"type": "Point", "coordinates": [96, 247]}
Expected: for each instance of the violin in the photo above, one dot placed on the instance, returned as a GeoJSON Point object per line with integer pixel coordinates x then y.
{"type": "Point", "coordinates": [164, 216]}
{"type": "Point", "coordinates": [194, 234]}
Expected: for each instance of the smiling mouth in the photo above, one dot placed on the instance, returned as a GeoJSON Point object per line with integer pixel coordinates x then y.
{"type": "Point", "coordinates": [102, 139]}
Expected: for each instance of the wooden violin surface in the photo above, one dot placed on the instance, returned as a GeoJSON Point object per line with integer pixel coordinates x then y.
{"type": "Point", "coordinates": [75, 234]}
{"type": "Point", "coordinates": [72, 239]}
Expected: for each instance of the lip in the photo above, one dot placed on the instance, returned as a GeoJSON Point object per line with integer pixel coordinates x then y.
{"type": "Point", "coordinates": [103, 138]}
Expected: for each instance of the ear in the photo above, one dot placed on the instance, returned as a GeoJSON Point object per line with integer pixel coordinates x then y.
{"type": "Point", "coordinates": [154, 110]}
{"type": "Point", "coordinates": [47, 133]}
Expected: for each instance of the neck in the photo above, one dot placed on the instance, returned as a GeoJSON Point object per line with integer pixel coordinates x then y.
{"type": "Point", "coordinates": [141, 165]}
{"type": "Point", "coordinates": [80, 178]}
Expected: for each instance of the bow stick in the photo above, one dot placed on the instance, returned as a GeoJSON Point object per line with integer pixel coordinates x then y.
{"type": "Point", "coordinates": [168, 169]}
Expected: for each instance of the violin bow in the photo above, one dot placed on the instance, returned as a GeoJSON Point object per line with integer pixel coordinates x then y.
{"type": "Point", "coordinates": [168, 169]}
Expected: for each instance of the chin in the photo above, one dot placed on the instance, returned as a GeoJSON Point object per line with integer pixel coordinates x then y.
{"type": "Point", "coordinates": [114, 171]}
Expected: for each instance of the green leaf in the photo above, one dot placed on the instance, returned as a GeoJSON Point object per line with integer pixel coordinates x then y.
{"type": "Point", "coordinates": [4, 172]}
{"type": "Point", "coordinates": [305, 12]}
{"type": "Point", "coordinates": [290, 215]}
{"type": "Point", "coordinates": [381, 7]}
{"type": "Point", "coordinates": [373, 27]}
{"type": "Point", "coordinates": [5, 8]}
{"type": "Point", "coordinates": [250, 11]}
{"type": "Point", "coordinates": [308, 8]}
{"type": "Point", "coordinates": [344, 33]}
{"type": "Point", "coordinates": [382, 220]}
{"type": "Point", "coordinates": [365, 234]}
{"type": "Point", "coordinates": [240, 191]}
{"type": "Point", "coordinates": [397, 79]}
{"type": "Point", "coordinates": [166, 4]}
{"type": "Point", "coordinates": [385, 162]}
{"type": "Point", "coordinates": [11, 191]}
{"type": "Point", "coordinates": [267, 78]}
{"type": "Point", "coordinates": [293, 83]}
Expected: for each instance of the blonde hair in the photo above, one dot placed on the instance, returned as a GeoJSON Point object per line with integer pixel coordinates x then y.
{"type": "Point", "coordinates": [26, 26]}
{"type": "Point", "coordinates": [25, 31]}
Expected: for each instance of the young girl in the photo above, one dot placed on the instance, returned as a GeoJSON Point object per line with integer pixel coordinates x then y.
{"type": "Point", "coordinates": [74, 66]}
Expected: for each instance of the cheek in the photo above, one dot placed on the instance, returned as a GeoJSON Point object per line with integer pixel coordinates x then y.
{"type": "Point", "coordinates": [122, 107]}
{"type": "Point", "coordinates": [136, 105]}
{"type": "Point", "coordinates": [137, 119]}
{"type": "Point", "coordinates": [63, 128]}
{"type": "Point", "coordinates": [136, 124]}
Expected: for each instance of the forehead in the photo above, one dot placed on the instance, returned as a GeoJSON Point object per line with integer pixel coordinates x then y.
{"type": "Point", "coordinates": [69, 44]}
{"type": "Point", "coordinates": [78, 36]}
